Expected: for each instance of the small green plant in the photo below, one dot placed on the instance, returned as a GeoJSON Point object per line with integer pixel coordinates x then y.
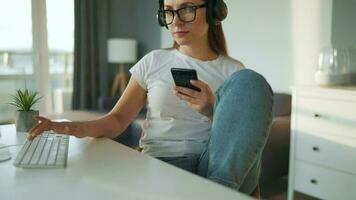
{"type": "Point", "coordinates": [24, 100]}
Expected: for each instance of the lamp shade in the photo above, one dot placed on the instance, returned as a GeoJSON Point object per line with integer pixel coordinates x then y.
{"type": "Point", "coordinates": [121, 50]}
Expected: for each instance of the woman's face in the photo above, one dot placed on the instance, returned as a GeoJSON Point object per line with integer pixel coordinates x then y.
{"type": "Point", "coordinates": [186, 33]}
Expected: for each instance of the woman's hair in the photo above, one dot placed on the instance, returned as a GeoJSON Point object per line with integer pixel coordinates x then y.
{"type": "Point", "coordinates": [216, 38]}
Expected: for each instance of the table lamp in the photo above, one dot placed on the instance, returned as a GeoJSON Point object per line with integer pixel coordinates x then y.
{"type": "Point", "coordinates": [121, 51]}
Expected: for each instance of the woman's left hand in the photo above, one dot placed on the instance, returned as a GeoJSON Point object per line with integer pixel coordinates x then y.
{"type": "Point", "coordinates": [202, 101]}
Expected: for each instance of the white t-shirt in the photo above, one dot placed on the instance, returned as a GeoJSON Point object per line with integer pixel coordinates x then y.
{"type": "Point", "coordinates": [172, 128]}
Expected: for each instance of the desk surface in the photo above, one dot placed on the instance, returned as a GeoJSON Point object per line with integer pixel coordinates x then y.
{"type": "Point", "coordinates": [103, 169]}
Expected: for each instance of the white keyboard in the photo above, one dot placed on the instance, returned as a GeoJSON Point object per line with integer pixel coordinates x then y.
{"type": "Point", "coordinates": [49, 150]}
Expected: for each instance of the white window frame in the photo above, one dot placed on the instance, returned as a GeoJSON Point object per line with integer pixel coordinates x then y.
{"type": "Point", "coordinates": [41, 54]}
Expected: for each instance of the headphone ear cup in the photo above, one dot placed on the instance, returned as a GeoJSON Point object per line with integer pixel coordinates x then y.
{"type": "Point", "coordinates": [220, 11]}
{"type": "Point", "coordinates": [217, 11]}
{"type": "Point", "coordinates": [159, 18]}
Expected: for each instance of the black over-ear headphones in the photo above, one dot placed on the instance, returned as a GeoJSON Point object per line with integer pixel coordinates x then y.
{"type": "Point", "coordinates": [161, 8]}
{"type": "Point", "coordinates": [216, 12]}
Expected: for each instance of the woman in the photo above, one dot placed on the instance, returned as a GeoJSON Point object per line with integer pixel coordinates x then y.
{"type": "Point", "coordinates": [219, 132]}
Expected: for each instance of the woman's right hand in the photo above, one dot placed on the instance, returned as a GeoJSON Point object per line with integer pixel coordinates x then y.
{"type": "Point", "coordinates": [43, 125]}
{"type": "Point", "coordinates": [68, 128]}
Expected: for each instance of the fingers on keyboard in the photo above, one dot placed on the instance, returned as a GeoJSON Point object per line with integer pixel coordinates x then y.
{"type": "Point", "coordinates": [45, 125]}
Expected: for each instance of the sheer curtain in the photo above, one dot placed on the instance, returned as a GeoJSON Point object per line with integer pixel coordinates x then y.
{"type": "Point", "coordinates": [90, 54]}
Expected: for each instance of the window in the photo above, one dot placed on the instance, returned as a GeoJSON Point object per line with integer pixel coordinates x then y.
{"type": "Point", "coordinates": [18, 68]}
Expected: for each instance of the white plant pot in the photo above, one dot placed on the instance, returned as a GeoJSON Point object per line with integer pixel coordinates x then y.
{"type": "Point", "coordinates": [25, 121]}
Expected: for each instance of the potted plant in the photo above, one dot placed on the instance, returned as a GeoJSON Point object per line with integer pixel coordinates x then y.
{"type": "Point", "coordinates": [24, 101]}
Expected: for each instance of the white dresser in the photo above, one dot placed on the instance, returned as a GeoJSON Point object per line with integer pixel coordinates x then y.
{"type": "Point", "coordinates": [323, 143]}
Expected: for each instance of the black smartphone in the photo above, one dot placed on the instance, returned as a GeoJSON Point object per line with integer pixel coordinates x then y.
{"type": "Point", "coordinates": [182, 77]}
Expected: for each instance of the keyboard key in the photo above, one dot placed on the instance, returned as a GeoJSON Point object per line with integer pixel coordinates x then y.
{"type": "Point", "coordinates": [22, 152]}
{"type": "Point", "coordinates": [46, 151]}
{"type": "Point", "coordinates": [37, 155]}
{"type": "Point", "coordinates": [30, 151]}
{"type": "Point", "coordinates": [54, 151]}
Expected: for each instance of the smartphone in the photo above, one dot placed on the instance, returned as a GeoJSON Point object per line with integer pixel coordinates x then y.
{"type": "Point", "coordinates": [182, 77]}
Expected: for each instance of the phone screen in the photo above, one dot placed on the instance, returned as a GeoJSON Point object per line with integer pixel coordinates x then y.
{"type": "Point", "coordinates": [182, 77]}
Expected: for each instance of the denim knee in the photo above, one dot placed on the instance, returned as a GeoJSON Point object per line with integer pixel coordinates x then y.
{"type": "Point", "coordinates": [246, 79]}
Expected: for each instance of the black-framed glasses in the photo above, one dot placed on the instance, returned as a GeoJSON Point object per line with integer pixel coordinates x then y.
{"type": "Point", "coordinates": [185, 14]}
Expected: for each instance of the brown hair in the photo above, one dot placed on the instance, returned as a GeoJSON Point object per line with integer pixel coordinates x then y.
{"type": "Point", "coordinates": [216, 38]}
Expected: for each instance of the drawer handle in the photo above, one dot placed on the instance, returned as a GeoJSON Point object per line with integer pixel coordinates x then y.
{"type": "Point", "coordinates": [316, 115]}
{"type": "Point", "coordinates": [316, 149]}
{"type": "Point", "coordinates": [313, 181]}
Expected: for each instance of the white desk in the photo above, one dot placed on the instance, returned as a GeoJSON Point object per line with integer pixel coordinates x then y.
{"type": "Point", "coordinates": [103, 169]}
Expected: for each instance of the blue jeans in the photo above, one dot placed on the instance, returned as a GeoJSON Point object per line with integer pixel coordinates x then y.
{"type": "Point", "coordinates": [240, 128]}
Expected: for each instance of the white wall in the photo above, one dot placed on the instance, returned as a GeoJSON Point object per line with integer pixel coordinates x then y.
{"type": "Point", "coordinates": [258, 33]}
{"type": "Point", "coordinates": [343, 23]}
{"type": "Point", "coordinates": [166, 38]}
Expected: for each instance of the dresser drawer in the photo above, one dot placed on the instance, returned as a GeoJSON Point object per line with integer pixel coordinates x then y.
{"type": "Point", "coordinates": [324, 183]}
{"type": "Point", "coordinates": [323, 116]}
{"type": "Point", "coordinates": [331, 151]}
